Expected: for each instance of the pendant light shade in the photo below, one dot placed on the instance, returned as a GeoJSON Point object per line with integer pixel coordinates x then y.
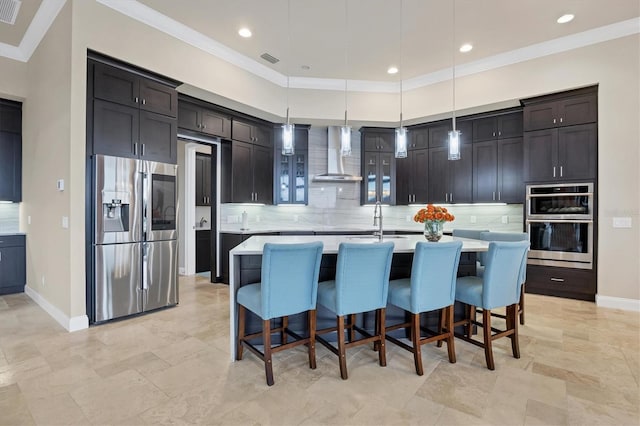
{"type": "Point", "coordinates": [345, 140]}
{"type": "Point", "coordinates": [454, 145]}
{"type": "Point", "coordinates": [401, 142]}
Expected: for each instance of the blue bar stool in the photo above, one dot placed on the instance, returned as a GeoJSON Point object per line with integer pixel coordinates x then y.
{"type": "Point", "coordinates": [500, 286]}
{"type": "Point", "coordinates": [361, 285]}
{"type": "Point", "coordinates": [288, 286]}
{"type": "Point", "coordinates": [510, 236]}
{"type": "Point", "coordinates": [432, 286]}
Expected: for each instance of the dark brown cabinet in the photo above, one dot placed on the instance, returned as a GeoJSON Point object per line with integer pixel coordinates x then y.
{"type": "Point", "coordinates": [562, 282]}
{"type": "Point", "coordinates": [567, 111]}
{"type": "Point", "coordinates": [497, 171]}
{"type": "Point", "coordinates": [378, 166]}
{"type": "Point", "coordinates": [10, 151]}
{"type": "Point", "coordinates": [132, 116]}
{"type": "Point", "coordinates": [497, 127]}
{"type": "Point", "coordinates": [412, 175]}
{"type": "Point", "coordinates": [252, 133]}
{"type": "Point", "coordinates": [203, 179]}
{"type": "Point", "coordinates": [251, 173]}
{"type": "Point", "coordinates": [203, 120]}
{"type": "Point", "coordinates": [125, 88]}
{"type": "Point", "coordinates": [13, 269]}
{"type": "Point", "coordinates": [292, 171]}
{"type": "Point", "coordinates": [450, 181]}
{"type": "Point", "coordinates": [561, 154]}
{"type": "Point", "coordinates": [418, 138]}
{"type": "Point", "coordinates": [203, 250]}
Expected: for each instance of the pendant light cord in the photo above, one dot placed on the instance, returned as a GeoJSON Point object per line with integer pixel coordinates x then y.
{"type": "Point", "coordinates": [289, 49]}
{"type": "Point", "coordinates": [346, 57]}
{"type": "Point", "coordinates": [453, 45]}
{"type": "Point", "coordinates": [401, 70]}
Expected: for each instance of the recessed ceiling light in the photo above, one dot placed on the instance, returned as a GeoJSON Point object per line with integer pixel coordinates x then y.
{"type": "Point", "coordinates": [466, 48]}
{"type": "Point", "coordinates": [392, 70]}
{"type": "Point", "coordinates": [565, 18]}
{"type": "Point", "coordinates": [244, 32]}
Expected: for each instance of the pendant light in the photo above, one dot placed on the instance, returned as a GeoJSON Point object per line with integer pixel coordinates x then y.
{"type": "Point", "coordinates": [454, 135]}
{"type": "Point", "coordinates": [345, 131]}
{"type": "Point", "coordinates": [288, 129]}
{"type": "Point", "coordinates": [401, 132]}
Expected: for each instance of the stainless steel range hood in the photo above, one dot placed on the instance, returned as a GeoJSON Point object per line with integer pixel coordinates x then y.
{"type": "Point", "coordinates": [335, 166]}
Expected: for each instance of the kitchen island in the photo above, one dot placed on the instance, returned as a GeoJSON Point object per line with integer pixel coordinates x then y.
{"type": "Point", "coordinates": [245, 261]}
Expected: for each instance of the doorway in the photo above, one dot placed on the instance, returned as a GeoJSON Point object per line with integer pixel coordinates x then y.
{"type": "Point", "coordinates": [199, 224]}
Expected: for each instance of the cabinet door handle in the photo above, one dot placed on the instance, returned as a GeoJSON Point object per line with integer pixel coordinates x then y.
{"type": "Point", "coordinates": [0, 256]}
{"type": "Point", "coordinates": [499, 198]}
{"type": "Point", "coordinates": [557, 280]}
{"type": "Point", "coordinates": [494, 133]}
{"type": "Point", "coordinates": [135, 99]}
{"type": "Point", "coordinates": [451, 197]}
{"type": "Point", "coordinates": [494, 195]}
{"type": "Point", "coordinates": [499, 133]}
{"type": "Point", "coordinates": [144, 101]}
{"type": "Point", "coordinates": [204, 126]}
{"type": "Point", "coordinates": [560, 171]}
{"type": "Point", "coordinates": [554, 171]}
{"type": "Point", "coordinates": [446, 197]}
{"type": "Point", "coordinates": [142, 149]}
{"type": "Point", "coordinates": [135, 148]}
{"type": "Point", "coordinates": [554, 121]}
{"type": "Point", "coordinates": [561, 119]}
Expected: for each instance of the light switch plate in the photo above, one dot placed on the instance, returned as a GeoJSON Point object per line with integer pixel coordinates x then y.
{"type": "Point", "coordinates": [60, 184]}
{"type": "Point", "coordinates": [65, 222]}
{"type": "Point", "coordinates": [505, 219]}
{"type": "Point", "coordinates": [622, 222]}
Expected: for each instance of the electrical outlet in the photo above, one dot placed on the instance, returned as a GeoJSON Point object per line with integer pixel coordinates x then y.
{"type": "Point", "coordinates": [29, 220]}
{"type": "Point", "coordinates": [622, 222]}
{"type": "Point", "coordinates": [43, 281]}
{"type": "Point", "coordinates": [505, 219]}
{"type": "Point", "coordinates": [473, 219]}
{"type": "Point", "coordinates": [65, 222]}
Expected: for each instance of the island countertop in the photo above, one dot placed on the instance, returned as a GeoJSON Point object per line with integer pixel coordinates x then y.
{"type": "Point", "coordinates": [254, 246]}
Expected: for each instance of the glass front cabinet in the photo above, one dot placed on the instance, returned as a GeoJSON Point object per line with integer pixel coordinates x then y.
{"type": "Point", "coordinates": [292, 171]}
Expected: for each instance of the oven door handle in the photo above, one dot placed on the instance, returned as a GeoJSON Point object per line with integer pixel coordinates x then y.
{"type": "Point", "coordinates": [558, 221]}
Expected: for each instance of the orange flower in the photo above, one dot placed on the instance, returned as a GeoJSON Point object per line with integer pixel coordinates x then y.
{"type": "Point", "coordinates": [433, 213]}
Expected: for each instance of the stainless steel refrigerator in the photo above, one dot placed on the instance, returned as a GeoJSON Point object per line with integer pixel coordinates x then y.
{"type": "Point", "coordinates": [135, 248]}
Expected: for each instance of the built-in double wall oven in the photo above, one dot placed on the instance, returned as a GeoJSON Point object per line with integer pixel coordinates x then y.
{"type": "Point", "coordinates": [559, 220]}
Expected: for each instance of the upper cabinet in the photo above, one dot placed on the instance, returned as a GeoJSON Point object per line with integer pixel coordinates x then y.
{"type": "Point", "coordinates": [130, 115]}
{"type": "Point", "coordinates": [203, 179]}
{"type": "Point", "coordinates": [378, 166]}
{"type": "Point", "coordinates": [10, 151]}
{"type": "Point", "coordinates": [292, 171]}
{"type": "Point", "coordinates": [569, 111]}
{"type": "Point", "coordinates": [192, 116]}
{"type": "Point", "coordinates": [561, 137]}
{"type": "Point", "coordinates": [254, 133]}
{"type": "Point", "coordinates": [498, 127]}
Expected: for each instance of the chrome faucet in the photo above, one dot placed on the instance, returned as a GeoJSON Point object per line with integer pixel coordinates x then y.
{"type": "Point", "coordinates": [377, 219]}
{"type": "Point", "coordinates": [202, 221]}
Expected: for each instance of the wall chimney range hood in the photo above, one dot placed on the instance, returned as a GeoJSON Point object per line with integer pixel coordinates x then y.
{"type": "Point", "coordinates": [335, 167]}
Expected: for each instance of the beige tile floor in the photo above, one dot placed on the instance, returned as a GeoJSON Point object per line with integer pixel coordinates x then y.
{"type": "Point", "coordinates": [580, 365]}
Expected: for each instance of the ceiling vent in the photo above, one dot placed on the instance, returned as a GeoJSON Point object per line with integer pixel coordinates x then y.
{"type": "Point", "coordinates": [264, 56]}
{"type": "Point", "coordinates": [9, 11]}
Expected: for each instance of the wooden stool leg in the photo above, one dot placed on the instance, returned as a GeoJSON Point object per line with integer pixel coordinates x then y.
{"type": "Point", "coordinates": [266, 338]}
{"type": "Point", "coordinates": [352, 331]}
{"type": "Point", "coordinates": [451, 349]}
{"type": "Point", "coordinates": [382, 353]}
{"type": "Point", "coordinates": [415, 339]}
{"type": "Point", "coordinates": [283, 334]}
{"type": "Point", "coordinates": [515, 346]}
{"type": "Point", "coordinates": [312, 339]}
{"type": "Point", "coordinates": [471, 315]}
{"type": "Point", "coordinates": [441, 322]}
{"type": "Point", "coordinates": [241, 315]}
{"type": "Point", "coordinates": [342, 356]}
{"type": "Point", "coordinates": [488, 349]}
{"type": "Point", "coordinates": [521, 305]}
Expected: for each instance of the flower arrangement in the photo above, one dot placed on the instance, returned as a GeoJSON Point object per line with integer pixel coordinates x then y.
{"type": "Point", "coordinates": [433, 214]}
{"type": "Point", "coordinates": [433, 218]}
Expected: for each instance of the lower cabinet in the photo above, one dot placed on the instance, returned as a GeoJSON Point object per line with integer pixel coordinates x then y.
{"type": "Point", "coordinates": [203, 250]}
{"type": "Point", "coordinates": [562, 282]}
{"type": "Point", "coordinates": [13, 268]}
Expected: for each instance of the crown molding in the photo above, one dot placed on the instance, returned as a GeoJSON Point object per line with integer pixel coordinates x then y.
{"type": "Point", "coordinates": [49, 10]}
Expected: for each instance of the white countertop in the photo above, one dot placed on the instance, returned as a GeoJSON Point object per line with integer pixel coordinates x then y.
{"type": "Point", "coordinates": [263, 229]}
{"type": "Point", "coordinates": [402, 243]}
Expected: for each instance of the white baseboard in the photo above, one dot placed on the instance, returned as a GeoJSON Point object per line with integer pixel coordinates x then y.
{"type": "Point", "coordinates": [618, 303]}
{"type": "Point", "coordinates": [70, 324]}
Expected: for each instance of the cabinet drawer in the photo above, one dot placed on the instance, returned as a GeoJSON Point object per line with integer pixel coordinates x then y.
{"type": "Point", "coordinates": [562, 282]}
{"type": "Point", "coordinates": [12, 240]}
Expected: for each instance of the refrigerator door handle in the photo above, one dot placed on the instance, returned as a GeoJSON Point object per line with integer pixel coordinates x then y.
{"type": "Point", "coordinates": [145, 201]}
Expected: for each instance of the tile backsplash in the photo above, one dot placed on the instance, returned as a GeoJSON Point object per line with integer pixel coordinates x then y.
{"type": "Point", "coordinates": [9, 217]}
{"type": "Point", "coordinates": [338, 204]}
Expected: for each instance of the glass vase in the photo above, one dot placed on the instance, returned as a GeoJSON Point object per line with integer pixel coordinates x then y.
{"type": "Point", "coordinates": [433, 230]}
